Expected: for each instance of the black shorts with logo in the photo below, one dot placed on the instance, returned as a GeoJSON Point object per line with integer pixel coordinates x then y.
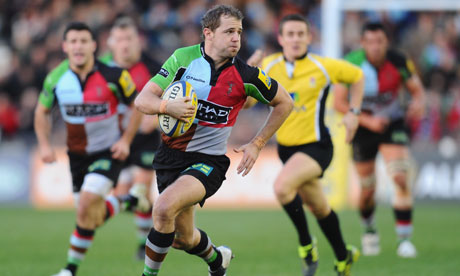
{"type": "Point", "coordinates": [99, 162]}
{"type": "Point", "coordinates": [321, 152]}
{"type": "Point", "coordinates": [366, 143]}
{"type": "Point", "coordinates": [210, 170]}
{"type": "Point", "coordinates": [142, 150]}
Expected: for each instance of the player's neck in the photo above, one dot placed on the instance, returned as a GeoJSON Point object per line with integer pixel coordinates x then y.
{"type": "Point", "coordinates": [214, 55]}
{"type": "Point", "coordinates": [83, 71]}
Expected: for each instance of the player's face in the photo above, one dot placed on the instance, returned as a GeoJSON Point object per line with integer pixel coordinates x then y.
{"type": "Point", "coordinates": [226, 39]}
{"type": "Point", "coordinates": [294, 39]}
{"type": "Point", "coordinates": [124, 44]}
{"type": "Point", "coordinates": [375, 44]}
{"type": "Point", "coordinates": [79, 47]}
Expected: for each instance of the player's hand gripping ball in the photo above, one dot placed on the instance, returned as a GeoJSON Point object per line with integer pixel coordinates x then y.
{"type": "Point", "coordinates": [171, 126]}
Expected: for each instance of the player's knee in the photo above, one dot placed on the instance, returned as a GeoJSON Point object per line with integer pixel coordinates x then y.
{"type": "Point", "coordinates": [400, 179]}
{"type": "Point", "coordinates": [163, 210]}
{"type": "Point", "coordinates": [281, 192]}
{"type": "Point", "coordinates": [368, 182]}
{"type": "Point", "coordinates": [97, 184]}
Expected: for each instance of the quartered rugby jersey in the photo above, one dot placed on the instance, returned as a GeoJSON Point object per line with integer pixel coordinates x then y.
{"type": "Point", "coordinates": [382, 85]}
{"type": "Point", "coordinates": [307, 80]}
{"type": "Point", "coordinates": [221, 95]}
{"type": "Point", "coordinates": [89, 108]}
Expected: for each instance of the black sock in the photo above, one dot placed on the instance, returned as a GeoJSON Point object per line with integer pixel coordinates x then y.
{"type": "Point", "coordinates": [367, 213]}
{"type": "Point", "coordinates": [331, 229]}
{"type": "Point", "coordinates": [206, 250]}
{"type": "Point", "coordinates": [297, 215]}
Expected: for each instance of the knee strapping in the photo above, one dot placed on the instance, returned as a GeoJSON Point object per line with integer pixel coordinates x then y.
{"type": "Point", "coordinates": [401, 166]}
{"type": "Point", "coordinates": [368, 181]}
{"type": "Point", "coordinates": [97, 184]}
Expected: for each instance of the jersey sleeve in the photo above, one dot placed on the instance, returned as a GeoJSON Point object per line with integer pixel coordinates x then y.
{"type": "Point", "coordinates": [47, 96]}
{"type": "Point", "coordinates": [341, 71]}
{"type": "Point", "coordinates": [127, 87]}
{"type": "Point", "coordinates": [258, 84]}
{"type": "Point", "coordinates": [167, 71]}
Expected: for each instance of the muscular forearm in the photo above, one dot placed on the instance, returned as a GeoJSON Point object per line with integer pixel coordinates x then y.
{"type": "Point", "coordinates": [148, 101]}
{"type": "Point", "coordinates": [133, 126]}
{"type": "Point", "coordinates": [276, 118]}
{"type": "Point", "coordinates": [42, 126]}
{"type": "Point", "coordinates": [356, 93]}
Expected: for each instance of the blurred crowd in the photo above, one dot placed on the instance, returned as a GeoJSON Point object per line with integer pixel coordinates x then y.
{"type": "Point", "coordinates": [31, 36]}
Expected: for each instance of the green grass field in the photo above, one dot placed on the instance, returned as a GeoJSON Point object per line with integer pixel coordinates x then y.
{"type": "Point", "coordinates": [264, 242]}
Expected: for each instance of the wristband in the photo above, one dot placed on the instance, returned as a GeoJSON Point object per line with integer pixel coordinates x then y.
{"type": "Point", "coordinates": [163, 106]}
{"type": "Point", "coordinates": [355, 111]}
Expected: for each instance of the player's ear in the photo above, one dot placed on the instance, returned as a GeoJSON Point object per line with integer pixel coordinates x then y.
{"type": "Point", "coordinates": [207, 33]}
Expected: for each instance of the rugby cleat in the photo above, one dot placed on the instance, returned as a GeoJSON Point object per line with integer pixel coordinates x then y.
{"type": "Point", "coordinates": [309, 256]}
{"type": "Point", "coordinates": [406, 249]}
{"type": "Point", "coordinates": [63, 272]}
{"type": "Point", "coordinates": [227, 256]}
{"type": "Point", "coordinates": [370, 244]}
{"type": "Point", "coordinates": [343, 268]}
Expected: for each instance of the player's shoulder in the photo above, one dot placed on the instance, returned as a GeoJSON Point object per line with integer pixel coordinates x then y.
{"type": "Point", "coordinates": [55, 74]}
{"type": "Point", "coordinates": [110, 73]}
{"type": "Point", "coordinates": [397, 57]}
{"type": "Point", "coordinates": [356, 56]}
{"type": "Point", "coordinates": [269, 61]}
{"type": "Point", "coordinates": [193, 51]}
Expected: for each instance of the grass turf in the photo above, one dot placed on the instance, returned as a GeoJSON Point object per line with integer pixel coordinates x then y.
{"type": "Point", "coordinates": [35, 242]}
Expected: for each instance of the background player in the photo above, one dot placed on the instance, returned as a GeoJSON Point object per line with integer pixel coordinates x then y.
{"type": "Point", "coordinates": [86, 92]}
{"type": "Point", "coordinates": [383, 129]}
{"type": "Point", "coordinates": [192, 167]}
{"type": "Point", "coordinates": [126, 52]}
{"type": "Point", "coordinates": [304, 142]}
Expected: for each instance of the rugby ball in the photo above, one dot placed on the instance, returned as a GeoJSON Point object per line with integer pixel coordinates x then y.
{"type": "Point", "coordinates": [169, 125]}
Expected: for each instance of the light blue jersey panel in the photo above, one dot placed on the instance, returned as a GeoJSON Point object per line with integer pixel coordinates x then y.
{"type": "Point", "coordinates": [371, 83]}
{"type": "Point", "coordinates": [68, 92]}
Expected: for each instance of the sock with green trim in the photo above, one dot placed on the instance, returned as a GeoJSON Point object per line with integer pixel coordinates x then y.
{"type": "Point", "coordinates": [206, 250]}
{"type": "Point", "coordinates": [80, 241]}
{"type": "Point", "coordinates": [156, 248]}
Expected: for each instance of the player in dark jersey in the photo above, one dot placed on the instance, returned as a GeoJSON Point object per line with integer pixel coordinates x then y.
{"type": "Point", "coordinates": [126, 52]}
{"type": "Point", "coordinates": [192, 167]}
{"type": "Point", "coordinates": [87, 93]}
{"type": "Point", "coordinates": [383, 129]}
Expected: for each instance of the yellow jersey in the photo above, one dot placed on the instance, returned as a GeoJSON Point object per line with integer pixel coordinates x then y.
{"type": "Point", "coordinates": [308, 80]}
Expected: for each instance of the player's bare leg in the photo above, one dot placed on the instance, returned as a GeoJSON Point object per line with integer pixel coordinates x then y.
{"type": "Point", "coordinates": [370, 240]}
{"type": "Point", "coordinates": [398, 165]}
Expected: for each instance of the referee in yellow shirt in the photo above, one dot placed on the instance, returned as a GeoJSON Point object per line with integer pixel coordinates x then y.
{"type": "Point", "coordinates": [304, 142]}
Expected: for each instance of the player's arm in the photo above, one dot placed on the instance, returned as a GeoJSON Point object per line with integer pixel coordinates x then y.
{"type": "Point", "coordinates": [127, 88]}
{"type": "Point", "coordinates": [254, 60]}
{"type": "Point", "coordinates": [344, 72]}
{"type": "Point", "coordinates": [416, 108]}
{"type": "Point", "coordinates": [282, 105]}
{"type": "Point", "coordinates": [42, 126]}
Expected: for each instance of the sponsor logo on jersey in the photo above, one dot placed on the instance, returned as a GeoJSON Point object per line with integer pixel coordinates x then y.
{"type": "Point", "coordinates": [163, 72]}
{"type": "Point", "coordinates": [212, 113]}
{"type": "Point", "coordinates": [195, 79]}
{"type": "Point", "coordinates": [230, 87]}
{"type": "Point", "coordinates": [126, 83]}
{"type": "Point", "coordinates": [86, 110]}
{"type": "Point", "coordinates": [265, 79]}
{"type": "Point", "coordinates": [312, 82]}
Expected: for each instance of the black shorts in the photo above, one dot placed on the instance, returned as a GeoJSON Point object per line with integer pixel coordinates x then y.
{"type": "Point", "coordinates": [99, 162]}
{"type": "Point", "coordinates": [142, 150]}
{"type": "Point", "coordinates": [321, 152]}
{"type": "Point", "coordinates": [210, 170]}
{"type": "Point", "coordinates": [366, 143]}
